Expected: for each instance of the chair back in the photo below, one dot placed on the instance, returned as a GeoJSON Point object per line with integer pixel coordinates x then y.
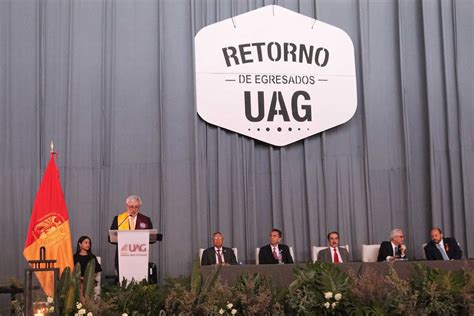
{"type": "Point", "coordinates": [423, 245]}
{"type": "Point", "coordinates": [315, 251]}
{"type": "Point", "coordinates": [370, 253]}
{"type": "Point", "coordinates": [292, 253]}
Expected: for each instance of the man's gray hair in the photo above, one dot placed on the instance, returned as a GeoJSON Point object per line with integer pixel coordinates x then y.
{"type": "Point", "coordinates": [394, 232]}
{"type": "Point", "coordinates": [134, 198]}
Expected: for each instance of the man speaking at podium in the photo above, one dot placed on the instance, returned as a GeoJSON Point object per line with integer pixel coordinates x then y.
{"type": "Point", "coordinates": [131, 219]}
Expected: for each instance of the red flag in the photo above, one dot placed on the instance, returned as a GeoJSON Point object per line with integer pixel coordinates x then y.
{"type": "Point", "coordinates": [49, 227]}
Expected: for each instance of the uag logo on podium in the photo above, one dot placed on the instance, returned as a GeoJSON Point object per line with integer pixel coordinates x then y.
{"type": "Point", "coordinates": [133, 250]}
{"type": "Point", "coordinates": [275, 75]}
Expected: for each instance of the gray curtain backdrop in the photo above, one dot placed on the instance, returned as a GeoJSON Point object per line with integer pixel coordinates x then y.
{"type": "Point", "coordinates": [112, 84]}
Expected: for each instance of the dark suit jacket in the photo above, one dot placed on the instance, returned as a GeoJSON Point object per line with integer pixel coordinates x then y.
{"type": "Point", "coordinates": [325, 255]}
{"type": "Point", "coordinates": [266, 255]}
{"type": "Point", "coordinates": [454, 251]}
{"type": "Point", "coordinates": [209, 256]}
{"type": "Point", "coordinates": [385, 251]}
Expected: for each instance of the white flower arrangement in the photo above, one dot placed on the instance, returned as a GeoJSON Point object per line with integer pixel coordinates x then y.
{"type": "Point", "coordinates": [81, 310]}
{"type": "Point", "coordinates": [221, 311]}
{"type": "Point", "coordinates": [233, 311]}
{"type": "Point", "coordinates": [230, 305]}
{"type": "Point", "coordinates": [332, 300]}
{"type": "Point", "coordinates": [50, 300]}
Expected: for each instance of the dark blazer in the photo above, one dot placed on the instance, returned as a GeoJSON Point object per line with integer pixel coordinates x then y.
{"type": "Point", "coordinates": [266, 255]}
{"type": "Point", "coordinates": [385, 251]}
{"type": "Point", "coordinates": [453, 250]}
{"type": "Point", "coordinates": [143, 222]}
{"type": "Point", "coordinates": [325, 255]}
{"type": "Point", "coordinates": [84, 260]}
{"type": "Point", "coordinates": [209, 256]}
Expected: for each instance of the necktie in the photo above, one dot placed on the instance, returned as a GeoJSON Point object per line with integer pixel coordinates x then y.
{"type": "Point", "coordinates": [275, 253]}
{"type": "Point", "coordinates": [132, 222]}
{"type": "Point", "coordinates": [396, 253]}
{"type": "Point", "coordinates": [219, 257]}
{"type": "Point", "coordinates": [443, 252]}
{"type": "Point", "coordinates": [336, 256]}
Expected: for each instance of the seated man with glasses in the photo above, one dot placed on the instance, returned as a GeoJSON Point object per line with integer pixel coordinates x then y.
{"type": "Point", "coordinates": [218, 254]}
{"type": "Point", "coordinates": [395, 249]}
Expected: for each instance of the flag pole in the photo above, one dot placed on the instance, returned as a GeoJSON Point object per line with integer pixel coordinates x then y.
{"type": "Point", "coordinates": [52, 147]}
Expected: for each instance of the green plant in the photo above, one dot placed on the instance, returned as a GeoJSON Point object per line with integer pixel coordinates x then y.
{"type": "Point", "coordinates": [134, 298]}
{"type": "Point", "coordinates": [256, 295]}
{"type": "Point", "coordinates": [319, 288]}
{"type": "Point", "coordinates": [372, 294]}
{"type": "Point", "coordinates": [187, 298]}
{"type": "Point", "coordinates": [439, 292]}
{"type": "Point", "coordinates": [69, 287]}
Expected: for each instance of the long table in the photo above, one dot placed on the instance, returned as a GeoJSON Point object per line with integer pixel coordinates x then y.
{"type": "Point", "coordinates": [282, 274]}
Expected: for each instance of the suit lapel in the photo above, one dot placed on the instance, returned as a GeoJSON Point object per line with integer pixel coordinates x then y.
{"type": "Point", "coordinates": [213, 259]}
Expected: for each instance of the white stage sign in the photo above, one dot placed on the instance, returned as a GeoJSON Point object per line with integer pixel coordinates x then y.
{"type": "Point", "coordinates": [275, 75]}
{"type": "Point", "coordinates": [133, 254]}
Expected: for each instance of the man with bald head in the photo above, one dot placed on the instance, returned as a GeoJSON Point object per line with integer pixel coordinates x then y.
{"type": "Point", "coordinates": [442, 248]}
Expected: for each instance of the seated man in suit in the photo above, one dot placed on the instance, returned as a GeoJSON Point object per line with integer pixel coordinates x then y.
{"type": "Point", "coordinates": [440, 248]}
{"type": "Point", "coordinates": [333, 253]}
{"type": "Point", "coordinates": [393, 249]}
{"type": "Point", "coordinates": [218, 254]}
{"type": "Point", "coordinates": [275, 252]}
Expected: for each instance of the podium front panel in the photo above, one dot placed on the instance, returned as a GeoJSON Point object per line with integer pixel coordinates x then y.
{"type": "Point", "coordinates": [133, 253]}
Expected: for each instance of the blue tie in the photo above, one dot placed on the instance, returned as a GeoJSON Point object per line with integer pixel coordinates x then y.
{"type": "Point", "coordinates": [443, 252]}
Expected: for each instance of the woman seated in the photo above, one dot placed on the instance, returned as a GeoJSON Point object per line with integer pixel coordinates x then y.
{"type": "Point", "coordinates": [84, 254]}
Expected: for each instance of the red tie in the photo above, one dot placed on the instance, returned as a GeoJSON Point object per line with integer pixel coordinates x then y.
{"type": "Point", "coordinates": [219, 257]}
{"type": "Point", "coordinates": [336, 257]}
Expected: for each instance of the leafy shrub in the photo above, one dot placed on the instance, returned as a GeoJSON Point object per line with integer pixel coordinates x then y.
{"type": "Point", "coordinates": [135, 298]}
{"type": "Point", "coordinates": [439, 292]}
{"type": "Point", "coordinates": [319, 288]}
{"type": "Point", "coordinates": [256, 295]}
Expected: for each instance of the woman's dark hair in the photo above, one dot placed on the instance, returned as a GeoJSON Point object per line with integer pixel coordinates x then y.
{"type": "Point", "coordinates": [79, 241]}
